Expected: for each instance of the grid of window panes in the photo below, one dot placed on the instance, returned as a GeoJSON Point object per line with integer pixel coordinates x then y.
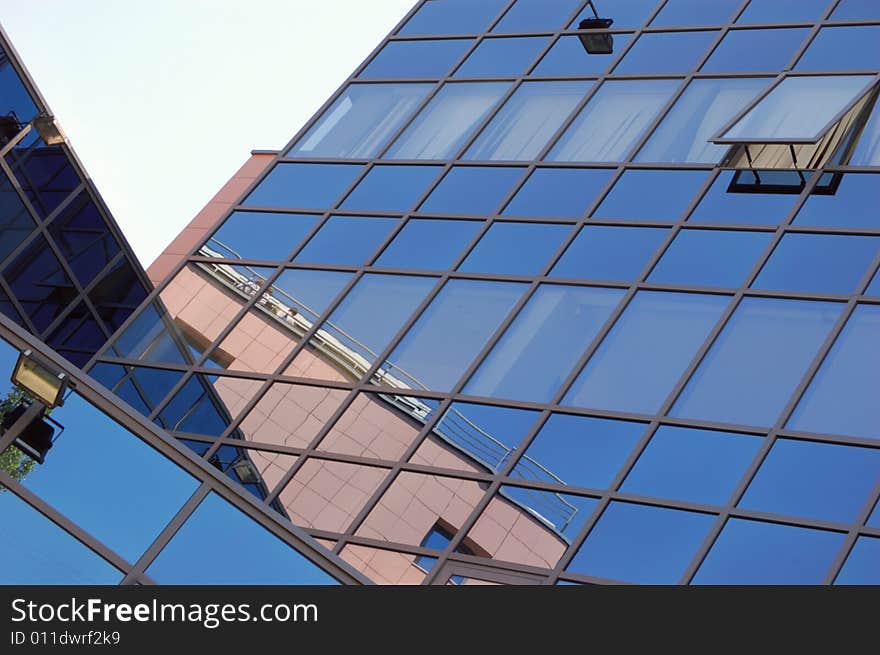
{"type": "Point", "coordinates": [65, 273]}
{"type": "Point", "coordinates": [531, 259]}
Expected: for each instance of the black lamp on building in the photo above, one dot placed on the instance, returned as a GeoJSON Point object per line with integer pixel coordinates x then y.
{"type": "Point", "coordinates": [596, 43]}
{"type": "Point", "coordinates": [46, 390]}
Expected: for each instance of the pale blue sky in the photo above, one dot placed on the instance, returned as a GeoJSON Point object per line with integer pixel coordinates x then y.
{"type": "Point", "coordinates": [164, 100]}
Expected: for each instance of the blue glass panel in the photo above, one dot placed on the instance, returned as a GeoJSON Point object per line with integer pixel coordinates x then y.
{"type": "Point", "coordinates": [15, 221]}
{"type": "Point", "coordinates": [38, 552]}
{"type": "Point", "coordinates": [537, 16]}
{"type": "Point", "coordinates": [749, 552]}
{"type": "Point", "coordinates": [651, 195]}
{"type": "Point", "coordinates": [712, 258]}
{"type": "Point", "coordinates": [452, 330]}
{"type": "Point", "coordinates": [361, 121]}
{"type": "Point", "coordinates": [851, 205]}
{"type": "Point", "coordinates": [820, 263]}
{"type": "Point", "coordinates": [200, 552]}
{"type": "Point", "coordinates": [429, 244]}
{"type": "Point", "coordinates": [148, 338]}
{"type": "Point", "coordinates": [135, 492]}
{"type": "Point", "coordinates": [471, 190]}
{"type": "Point", "coordinates": [196, 408]}
{"type": "Point", "coordinates": [563, 513]}
{"type": "Point", "coordinates": [78, 336]}
{"type": "Point", "coordinates": [45, 174]}
{"type": "Point", "coordinates": [391, 188]}
{"type": "Point", "coordinates": [874, 288]}
{"type": "Point", "coordinates": [445, 124]}
{"type": "Point", "coordinates": [699, 466]}
{"type": "Point", "coordinates": [637, 543]}
{"type": "Point", "coordinates": [724, 204]}
{"type": "Point", "coordinates": [874, 519]}
{"type": "Point", "coordinates": [863, 564]}
{"type": "Point", "coordinates": [843, 48]}
{"type": "Point", "coordinates": [117, 295]}
{"type": "Point", "coordinates": [665, 52]}
{"type": "Point", "coordinates": [757, 361]}
{"type": "Point", "coordinates": [695, 12]}
{"type": "Point", "coordinates": [783, 11]}
{"type": "Point", "coordinates": [453, 17]}
{"type": "Point", "coordinates": [867, 150]}
{"type": "Point", "coordinates": [269, 236]}
{"type": "Point", "coordinates": [603, 252]}
{"type": "Point", "coordinates": [515, 248]}
{"type": "Point", "coordinates": [527, 121]}
{"type": "Point", "coordinates": [422, 59]}
{"type": "Point", "coordinates": [755, 50]}
{"type": "Point", "coordinates": [347, 240]}
{"type": "Point", "coordinates": [39, 283]}
{"type": "Point", "coordinates": [310, 186]}
{"type": "Point", "coordinates": [856, 10]}
{"type": "Point", "coordinates": [309, 291]}
{"type": "Point", "coordinates": [631, 370]}
{"type": "Point", "coordinates": [581, 451]}
{"type": "Point", "coordinates": [568, 57]}
{"type": "Point", "coordinates": [375, 309]}
{"type": "Point", "coordinates": [14, 98]}
{"type": "Point", "coordinates": [84, 238]}
{"type": "Point", "coordinates": [613, 120]}
{"type": "Point", "coordinates": [815, 480]}
{"type": "Point", "coordinates": [538, 351]}
{"type": "Point", "coordinates": [502, 57]}
{"type": "Point", "coordinates": [704, 108]}
{"type": "Point", "coordinates": [626, 13]}
{"type": "Point", "coordinates": [842, 398]}
{"type": "Point", "coordinates": [558, 192]}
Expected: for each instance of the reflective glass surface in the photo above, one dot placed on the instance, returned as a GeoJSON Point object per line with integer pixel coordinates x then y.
{"type": "Point", "coordinates": [391, 188]}
{"type": "Point", "coordinates": [453, 17]}
{"type": "Point", "coordinates": [626, 13]}
{"type": "Point", "coordinates": [568, 57]}
{"type": "Point", "coordinates": [631, 370]}
{"type": "Point", "coordinates": [515, 248]}
{"type": "Point", "coordinates": [695, 12]}
{"type": "Point", "coordinates": [537, 352]}
{"type": "Point", "coordinates": [874, 288]}
{"type": "Point", "coordinates": [867, 150]}
{"type": "Point", "coordinates": [269, 236]}
{"type": "Point", "coordinates": [430, 244]}
{"type": "Point", "coordinates": [471, 190]}
{"type": "Point", "coordinates": [502, 57]}
{"type": "Point", "coordinates": [757, 361]}
{"type": "Point", "coordinates": [651, 195]}
{"type": "Point", "coordinates": [537, 15]}
{"type": "Point", "coordinates": [851, 205]}
{"type": "Point", "coordinates": [558, 192]}
{"type": "Point", "coordinates": [604, 252]}
{"type": "Point", "coordinates": [855, 10]}
{"type": "Point", "coordinates": [863, 564]}
{"type": "Point", "coordinates": [40, 284]}
{"type": "Point", "coordinates": [15, 221]}
{"type": "Point", "coordinates": [843, 48]}
{"type": "Point", "coordinates": [84, 239]}
{"type": "Point", "coordinates": [419, 59]}
{"type": "Point", "coordinates": [783, 11]}
{"type": "Point", "coordinates": [723, 203]}
{"type": "Point", "coordinates": [45, 175]}
{"type": "Point", "coordinates": [309, 291]}
{"type": "Point", "coordinates": [310, 186]}
{"type": "Point", "coordinates": [755, 50]}
{"type": "Point", "coordinates": [665, 52]}
{"type": "Point", "coordinates": [347, 240]}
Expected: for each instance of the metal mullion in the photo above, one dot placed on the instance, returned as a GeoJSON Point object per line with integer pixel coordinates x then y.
{"type": "Point", "coordinates": [852, 536]}
{"type": "Point", "coordinates": [23, 315]}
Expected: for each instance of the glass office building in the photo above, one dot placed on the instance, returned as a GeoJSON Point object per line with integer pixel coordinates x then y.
{"type": "Point", "coordinates": [539, 300]}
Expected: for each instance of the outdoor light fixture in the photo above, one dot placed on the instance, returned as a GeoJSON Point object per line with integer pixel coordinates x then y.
{"type": "Point", "coordinates": [39, 381]}
{"type": "Point", "coordinates": [10, 126]}
{"type": "Point", "coordinates": [35, 438]}
{"type": "Point", "coordinates": [596, 43]}
{"type": "Point", "coordinates": [49, 130]}
{"type": "Point", "coordinates": [245, 470]}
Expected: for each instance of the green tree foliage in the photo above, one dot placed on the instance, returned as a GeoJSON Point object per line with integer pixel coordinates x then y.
{"type": "Point", "coordinates": [12, 460]}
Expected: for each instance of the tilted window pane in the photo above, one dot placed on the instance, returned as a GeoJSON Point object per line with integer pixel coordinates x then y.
{"type": "Point", "coordinates": [842, 398]}
{"type": "Point", "coordinates": [695, 12]}
{"type": "Point", "coordinates": [527, 121]}
{"type": "Point", "coordinates": [515, 248]}
{"type": "Point", "coordinates": [310, 186]}
{"type": "Point", "coordinates": [863, 564]}
{"type": "Point", "coordinates": [843, 48]}
{"type": "Point", "coordinates": [757, 361]}
{"type": "Point", "coordinates": [581, 451]}
{"type": "Point", "coordinates": [391, 188]}
{"type": "Point", "coordinates": [604, 252]}
{"type": "Point", "coordinates": [651, 195]}
{"type": "Point", "coordinates": [568, 57]}
{"type": "Point", "coordinates": [271, 236]}
{"type": "Point", "coordinates": [193, 556]}
{"type": "Point", "coordinates": [613, 120]}
{"type": "Point", "coordinates": [450, 118]}
{"type": "Point", "coordinates": [712, 258]}
{"type": "Point", "coordinates": [665, 52]}
{"type": "Point", "coordinates": [558, 192]}
{"type": "Point", "coordinates": [646, 351]}
{"type": "Point", "coordinates": [420, 59]}
{"type": "Point", "coordinates": [753, 552]}
{"type": "Point", "coordinates": [626, 13]}
{"type": "Point", "coordinates": [755, 50]}
{"type": "Point", "coordinates": [853, 204]}
{"type": "Point", "coordinates": [798, 108]}
{"type": "Point", "coordinates": [814, 480]}
{"type": "Point", "coordinates": [724, 204]}
{"type": "Point", "coordinates": [538, 351]}
{"type": "Point", "coordinates": [309, 292]}
{"type": "Point", "coordinates": [38, 552]}
{"type": "Point", "coordinates": [360, 123]}
{"type": "Point", "coordinates": [783, 11]}
{"type": "Point", "coordinates": [346, 240]}
{"type": "Point", "coordinates": [502, 57]}
{"type": "Point", "coordinates": [703, 109]}
{"type": "Point", "coordinates": [451, 332]}
{"type": "Point", "coordinates": [537, 16]}
{"type": "Point", "coordinates": [819, 263]}
{"type": "Point", "coordinates": [430, 244]}
{"type": "Point", "coordinates": [453, 17]}
{"type": "Point", "coordinates": [699, 466]}
{"type": "Point", "coordinates": [638, 543]}
{"type": "Point", "coordinates": [471, 190]}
